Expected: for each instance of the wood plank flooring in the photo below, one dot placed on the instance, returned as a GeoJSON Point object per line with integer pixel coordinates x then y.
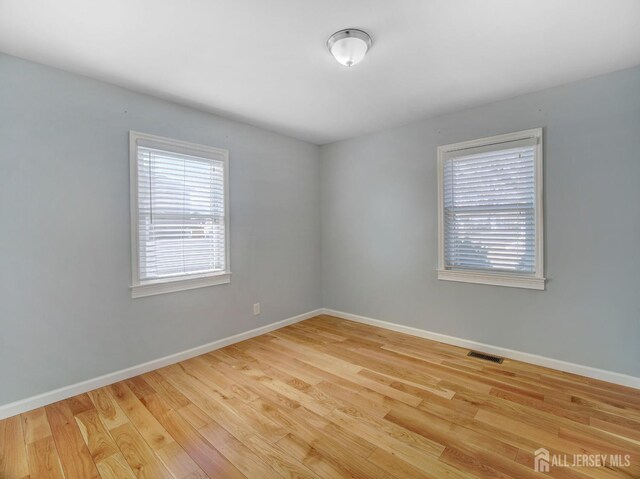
{"type": "Point", "coordinates": [329, 398]}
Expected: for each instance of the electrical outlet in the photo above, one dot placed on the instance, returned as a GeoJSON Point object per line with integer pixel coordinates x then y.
{"type": "Point", "coordinates": [256, 309]}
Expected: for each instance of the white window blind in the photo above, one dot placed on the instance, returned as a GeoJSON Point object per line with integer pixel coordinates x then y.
{"type": "Point", "coordinates": [490, 216]}
{"type": "Point", "coordinates": [181, 213]}
{"type": "Point", "coordinates": [489, 205]}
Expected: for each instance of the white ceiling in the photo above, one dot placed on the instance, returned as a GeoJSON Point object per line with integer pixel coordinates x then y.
{"type": "Point", "coordinates": [265, 61]}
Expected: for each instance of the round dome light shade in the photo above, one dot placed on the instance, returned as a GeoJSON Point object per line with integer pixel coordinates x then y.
{"type": "Point", "coordinates": [349, 46]}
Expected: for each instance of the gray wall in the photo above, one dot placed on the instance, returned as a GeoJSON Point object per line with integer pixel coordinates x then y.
{"type": "Point", "coordinates": [66, 313]}
{"type": "Point", "coordinates": [379, 227]}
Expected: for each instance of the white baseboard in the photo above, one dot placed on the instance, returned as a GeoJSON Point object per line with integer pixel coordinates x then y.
{"type": "Point", "coordinates": [601, 374]}
{"type": "Point", "coordinates": [44, 399]}
{"type": "Point", "coordinates": [23, 405]}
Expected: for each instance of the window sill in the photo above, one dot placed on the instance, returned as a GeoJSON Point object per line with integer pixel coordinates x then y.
{"type": "Point", "coordinates": [494, 279]}
{"type": "Point", "coordinates": [173, 285]}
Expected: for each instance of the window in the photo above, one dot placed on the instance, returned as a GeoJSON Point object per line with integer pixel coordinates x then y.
{"type": "Point", "coordinates": [179, 215]}
{"type": "Point", "coordinates": [490, 211]}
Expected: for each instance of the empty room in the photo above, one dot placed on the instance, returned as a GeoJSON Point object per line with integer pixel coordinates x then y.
{"type": "Point", "coordinates": [341, 239]}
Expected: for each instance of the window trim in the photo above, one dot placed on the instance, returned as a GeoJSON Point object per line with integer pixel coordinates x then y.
{"type": "Point", "coordinates": [168, 285]}
{"type": "Point", "coordinates": [515, 280]}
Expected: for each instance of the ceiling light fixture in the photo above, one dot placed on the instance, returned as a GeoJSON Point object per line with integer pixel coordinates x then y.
{"type": "Point", "coordinates": [349, 46]}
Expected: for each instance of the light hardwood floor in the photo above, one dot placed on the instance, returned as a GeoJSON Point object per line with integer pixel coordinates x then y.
{"type": "Point", "coordinates": [329, 398]}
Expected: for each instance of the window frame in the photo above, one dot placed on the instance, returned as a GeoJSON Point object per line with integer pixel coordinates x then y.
{"type": "Point", "coordinates": [168, 285]}
{"type": "Point", "coordinates": [516, 280]}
